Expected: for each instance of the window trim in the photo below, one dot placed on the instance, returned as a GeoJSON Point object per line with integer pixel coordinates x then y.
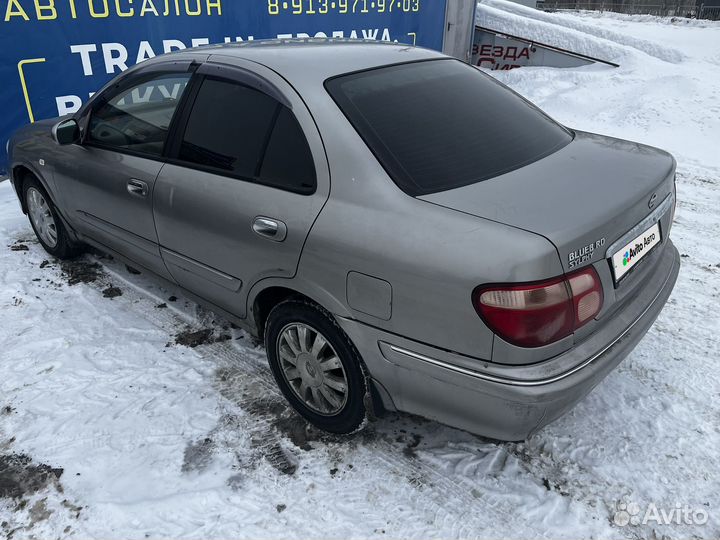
{"type": "Point", "coordinates": [129, 81]}
{"type": "Point", "coordinates": [244, 77]}
{"type": "Point", "coordinates": [172, 155]}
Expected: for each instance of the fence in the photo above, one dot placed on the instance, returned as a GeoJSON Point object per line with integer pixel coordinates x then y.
{"type": "Point", "coordinates": [666, 9]}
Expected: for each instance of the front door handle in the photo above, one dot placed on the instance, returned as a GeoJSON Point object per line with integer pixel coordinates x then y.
{"type": "Point", "coordinates": [137, 188]}
{"type": "Point", "coordinates": [272, 229]}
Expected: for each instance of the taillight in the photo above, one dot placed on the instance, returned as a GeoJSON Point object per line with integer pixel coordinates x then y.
{"type": "Point", "coordinates": [536, 314]}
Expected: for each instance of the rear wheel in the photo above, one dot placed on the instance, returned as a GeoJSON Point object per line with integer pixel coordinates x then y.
{"type": "Point", "coordinates": [316, 366]}
{"type": "Point", "coordinates": [46, 222]}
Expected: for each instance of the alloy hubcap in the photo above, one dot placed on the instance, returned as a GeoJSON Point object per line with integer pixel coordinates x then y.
{"type": "Point", "coordinates": [42, 217]}
{"type": "Point", "coordinates": [312, 369]}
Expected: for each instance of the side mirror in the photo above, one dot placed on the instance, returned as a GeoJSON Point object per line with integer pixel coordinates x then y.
{"type": "Point", "coordinates": [66, 132]}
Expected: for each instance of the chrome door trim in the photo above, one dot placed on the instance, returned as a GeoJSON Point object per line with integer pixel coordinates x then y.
{"type": "Point", "coordinates": [200, 270]}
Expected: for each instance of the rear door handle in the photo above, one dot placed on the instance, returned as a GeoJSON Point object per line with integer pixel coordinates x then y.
{"type": "Point", "coordinates": [137, 188]}
{"type": "Point", "coordinates": [272, 229]}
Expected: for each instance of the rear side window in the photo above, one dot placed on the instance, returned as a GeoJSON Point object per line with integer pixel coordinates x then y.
{"type": "Point", "coordinates": [443, 124]}
{"type": "Point", "coordinates": [288, 162]}
{"type": "Point", "coordinates": [236, 130]}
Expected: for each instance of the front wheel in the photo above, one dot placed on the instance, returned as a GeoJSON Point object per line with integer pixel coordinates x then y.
{"type": "Point", "coordinates": [316, 366]}
{"type": "Point", "coordinates": [46, 222]}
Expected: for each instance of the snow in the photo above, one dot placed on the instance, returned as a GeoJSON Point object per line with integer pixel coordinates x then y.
{"type": "Point", "coordinates": [665, 93]}
{"type": "Point", "coordinates": [538, 25]}
{"type": "Point", "coordinates": [159, 440]}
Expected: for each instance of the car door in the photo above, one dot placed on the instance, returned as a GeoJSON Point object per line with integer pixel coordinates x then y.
{"type": "Point", "coordinates": [246, 178]}
{"type": "Point", "coordinates": [107, 181]}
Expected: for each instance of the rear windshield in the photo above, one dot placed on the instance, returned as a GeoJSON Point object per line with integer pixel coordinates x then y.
{"type": "Point", "coordinates": [442, 124]}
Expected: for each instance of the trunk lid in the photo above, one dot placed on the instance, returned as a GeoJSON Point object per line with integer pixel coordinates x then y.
{"type": "Point", "coordinates": [582, 198]}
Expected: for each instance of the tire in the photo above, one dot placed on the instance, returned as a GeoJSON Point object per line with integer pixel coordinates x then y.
{"type": "Point", "coordinates": [318, 375]}
{"type": "Point", "coordinates": [46, 222]}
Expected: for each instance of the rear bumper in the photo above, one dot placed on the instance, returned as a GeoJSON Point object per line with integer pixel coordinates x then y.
{"type": "Point", "coordinates": [501, 401]}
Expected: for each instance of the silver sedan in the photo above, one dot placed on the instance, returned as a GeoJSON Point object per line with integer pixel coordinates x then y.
{"type": "Point", "coordinates": [404, 232]}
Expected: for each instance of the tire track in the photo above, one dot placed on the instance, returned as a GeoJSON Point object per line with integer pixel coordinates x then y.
{"type": "Point", "coordinates": [432, 485]}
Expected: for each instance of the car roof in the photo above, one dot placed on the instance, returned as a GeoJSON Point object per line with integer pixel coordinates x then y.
{"type": "Point", "coordinates": [312, 59]}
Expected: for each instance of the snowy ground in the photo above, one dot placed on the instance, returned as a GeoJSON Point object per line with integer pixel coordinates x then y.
{"type": "Point", "coordinates": [111, 429]}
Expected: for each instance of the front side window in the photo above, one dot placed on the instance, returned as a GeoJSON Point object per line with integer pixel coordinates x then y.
{"type": "Point", "coordinates": [442, 124]}
{"type": "Point", "coordinates": [138, 118]}
{"type": "Point", "coordinates": [241, 132]}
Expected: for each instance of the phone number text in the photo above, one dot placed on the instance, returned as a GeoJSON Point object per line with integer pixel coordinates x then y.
{"type": "Point", "coordinates": [342, 7]}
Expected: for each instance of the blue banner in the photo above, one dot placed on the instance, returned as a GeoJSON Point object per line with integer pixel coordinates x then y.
{"type": "Point", "coordinates": [55, 53]}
